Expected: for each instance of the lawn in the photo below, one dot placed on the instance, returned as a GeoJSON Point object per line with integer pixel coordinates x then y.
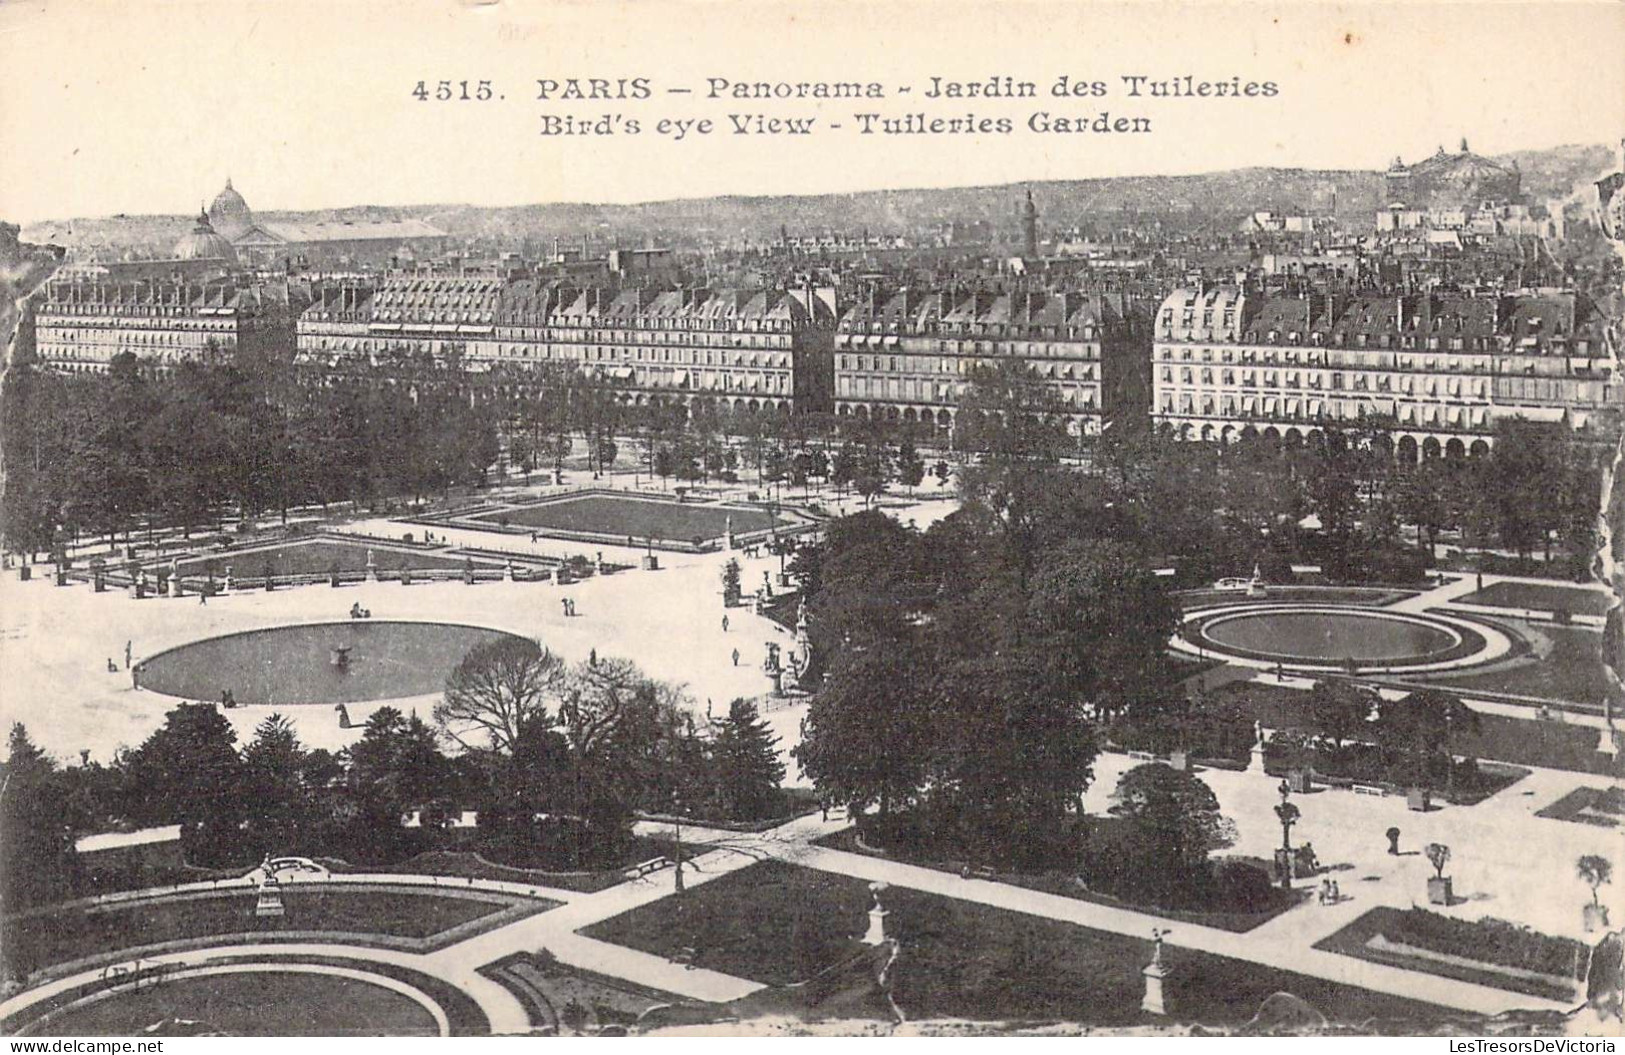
{"type": "Point", "coordinates": [483, 862]}
{"type": "Point", "coordinates": [1601, 807]}
{"type": "Point", "coordinates": [1520, 741]}
{"type": "Point", "coordinates": [1573, 670]}
{"type": "Point", "coordinates": [64, 935]}
{"type": "Point", "coordinates": [620, 516]}
{"type": "Point", "coordinates": [1544, 597]}
{"type": "Point", "coordinates": [1064, 885]}
{"type": "Point", "coordinates": [261, 1003]}
{"type": "Point", "coordinates": [315, 557]}
{"type": "Point", "coordinates": [778, 923]}
{"type": "Point", "coordinates": [1369, 596]}
{"type": "Point", "coordinates": [1485, 952]}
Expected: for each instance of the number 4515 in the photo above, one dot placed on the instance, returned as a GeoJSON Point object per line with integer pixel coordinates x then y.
{"type": "Point", "coordinates": [446, 91]}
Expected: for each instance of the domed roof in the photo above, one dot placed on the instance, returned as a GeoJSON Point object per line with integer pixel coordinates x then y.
{"type": "Point", "coordinates": [229, 213]}
{"type": "Point", "coordinates": [1462, 178]}
{"type": "Point", "coordinates": [204, 244]}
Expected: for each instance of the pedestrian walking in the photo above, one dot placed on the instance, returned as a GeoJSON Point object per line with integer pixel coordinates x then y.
{"type": "Point", "coordinates": [126, 655]}
{"type": "Point", "coordinates": [736, 657]}
{"type": "Point", "coordinates": [592, 658]}
{"type": "Point", "coordinates": [724, 624]}
{"type": "Point", "coordinates": [564, 603]}
{"type": "Point", "coordinates": [203, 596]}
{"type": "Point", "coordinates": [1393, 841]}
{"type": "Point", "coordinates": [1337, 892]}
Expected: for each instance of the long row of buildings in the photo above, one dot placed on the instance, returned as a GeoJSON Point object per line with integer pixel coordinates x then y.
{"type": "Point", "coordinates": [1433, 371]}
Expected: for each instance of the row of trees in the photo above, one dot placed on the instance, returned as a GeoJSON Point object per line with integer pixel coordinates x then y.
{"type": "Point", "coordinates": [97, 454]}
{"type": "Point", "coordinates": [1216, 505]}
{"type": "Point", "coordinates": [556, 758]}
{"type": "Point", "coordinates": [91, 454]}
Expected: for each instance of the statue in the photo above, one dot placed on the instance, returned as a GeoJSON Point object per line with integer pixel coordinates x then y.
{"type": "Point", "coordinates": [876, 934]}
{"type": "Point", "coordinates": [1152, 1003]}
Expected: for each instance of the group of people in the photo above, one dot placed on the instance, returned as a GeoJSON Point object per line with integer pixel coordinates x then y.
{"type": "Point", "coordinates": [228, 698]}
{"type": "Point", "coordinates": [569, 607]}
{"type": "Point", "coordinates": [1330, 893]}
{"type": "Point", "coordinates": [358, 612]}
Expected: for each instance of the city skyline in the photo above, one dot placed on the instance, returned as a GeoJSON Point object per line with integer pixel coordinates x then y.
{"type": "Point", "coordinates": [333, 134]}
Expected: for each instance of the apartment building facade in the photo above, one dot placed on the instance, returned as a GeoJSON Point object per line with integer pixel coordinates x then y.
{"type": "Point", "coordinates": [1432, 371]}
{"type": "Point", "coordinates": [906, 356]}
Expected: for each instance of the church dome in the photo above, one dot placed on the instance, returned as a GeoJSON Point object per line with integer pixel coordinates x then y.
{"type": "Point", "coordinates": [229, 213]}
{"type": "Point", "coordinates": [204, 244]}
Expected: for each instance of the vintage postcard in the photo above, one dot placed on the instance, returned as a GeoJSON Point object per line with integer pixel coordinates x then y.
{"type": "Point", "coordinates": [594, 518]}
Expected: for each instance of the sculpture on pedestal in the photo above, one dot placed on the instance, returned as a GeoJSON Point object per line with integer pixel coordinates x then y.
{"type": "Point", "coordinates": [876, 934]}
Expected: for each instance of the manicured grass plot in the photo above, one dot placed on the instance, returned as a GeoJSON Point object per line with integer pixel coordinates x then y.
{"type": "Point", "coordinates": [1572, 670]}
{"type": "Point", "coordinates": [641, 518]}
{"type": "Point", "coordinates": [779, 924]}
{"type": "Point", "coordinates": [1486, 952]}
{"type": "Point", "coordinates": [316, 557]}
{"type": "Point", "coordinates": [260, 1003]}
{"type": "Point", "coordinates": [1520, 741]}
{"type": "Point", "coordinates": [41, 939]}
{"type": "Point", "coordinates": [1599, 807]}
{"type": "Point", "coordinates": [289, 665]}
{"type": "Point", "coordinates": [1545, 597]}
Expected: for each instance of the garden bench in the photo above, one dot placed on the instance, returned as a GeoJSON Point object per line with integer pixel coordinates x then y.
{"type": "Point", "coordinates": [1370, 789]}
{"type": "Point", "coordinates": [977, 872]}
{"type": "Point", "coordinates": [643, 868]}
{"type": "Point", "coordinates": [1142, 756]}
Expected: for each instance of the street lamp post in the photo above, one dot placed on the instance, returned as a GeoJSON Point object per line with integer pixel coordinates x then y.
{"type": "Point", "coordinates": [677, 835]}
{"type": "Point", "coordinates": [1288, 815]}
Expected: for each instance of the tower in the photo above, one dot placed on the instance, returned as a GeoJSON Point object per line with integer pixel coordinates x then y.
{"type": "Point", "coordinates": [1029, 227]}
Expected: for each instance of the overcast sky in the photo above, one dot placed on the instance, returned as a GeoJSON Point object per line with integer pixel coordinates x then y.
{"type": "Point", "coordinates": [112, 106]}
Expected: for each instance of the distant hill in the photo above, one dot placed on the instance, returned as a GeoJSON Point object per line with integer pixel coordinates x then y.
{"type": "Point", "coordinates": [1208, 202]}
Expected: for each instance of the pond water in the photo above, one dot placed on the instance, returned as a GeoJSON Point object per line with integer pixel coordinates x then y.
{"type": "Point", "coordinates": [289, 665]}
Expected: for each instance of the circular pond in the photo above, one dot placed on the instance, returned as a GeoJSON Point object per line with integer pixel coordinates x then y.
{"type": "Point", "coordinates": [1328, 637]}
{"type": "Point", "coordinates": [289, 665]}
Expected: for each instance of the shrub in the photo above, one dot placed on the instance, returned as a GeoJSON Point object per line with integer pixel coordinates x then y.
{"type": "Point", "coordinates": [1243, 887]}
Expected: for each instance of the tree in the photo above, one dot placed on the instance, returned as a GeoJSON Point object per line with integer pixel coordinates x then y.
{"type": "Point", "coordinates": [273, 780]}
{"type": "Point", "coordinates": [1424, 725]}
{"type": "Point", "coordinates": [1594, 871]}
{"type": "Point", "coordinates": [37, 863]}
{"type": "Point", "coordinates": [1340, 710]}
{"type": "Point", "coordinates": [860, 754]}
{"type": "Point", "coordinates": [397, 765]}
{"type": "Point", "coordinates": [496, 688]}
{"type": "Point", "coordinates": [1100, 622]}
{"type": "Point", "coordinates": [1174, 812]}
{"type": "Point", "coordinates": [1014, 424]}
{"type": "Point", "coordinates": [1438, 855]}
{"type": "Point", "coordinates": [187, 771]}
{"type": "Point", "coordinates": [746, 759]}
{"type": "Point", "coordinates": [910, 468]}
